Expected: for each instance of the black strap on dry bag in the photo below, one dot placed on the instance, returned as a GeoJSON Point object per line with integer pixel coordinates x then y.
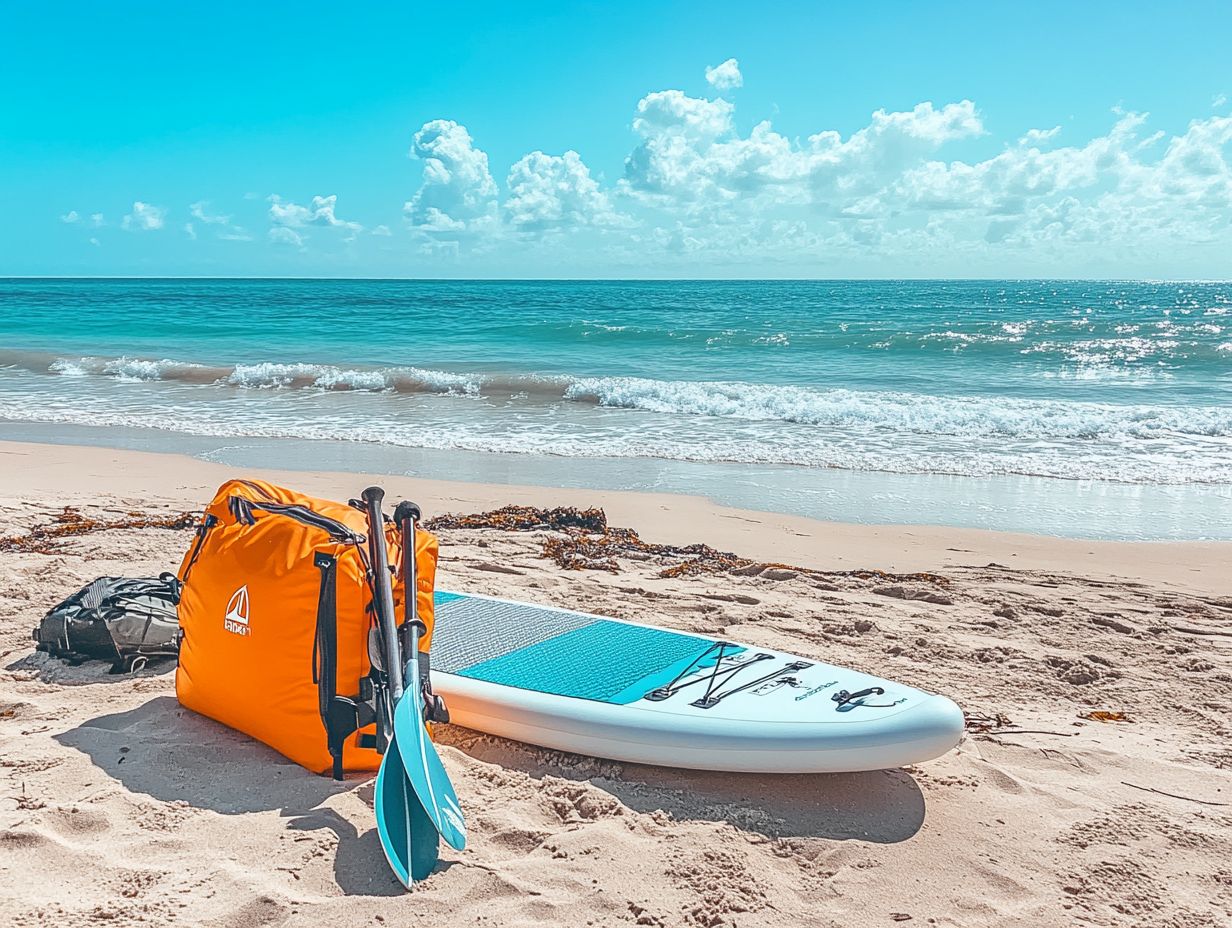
{"type": "Point", "coordinates": [341, 715]}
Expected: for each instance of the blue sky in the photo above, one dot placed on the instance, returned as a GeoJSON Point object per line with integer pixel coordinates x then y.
{"type": "Point", "coordinates": [617, 140]}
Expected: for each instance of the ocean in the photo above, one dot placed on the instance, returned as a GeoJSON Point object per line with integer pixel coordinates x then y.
{"type": "Point", "coordinates": [1083, 408]}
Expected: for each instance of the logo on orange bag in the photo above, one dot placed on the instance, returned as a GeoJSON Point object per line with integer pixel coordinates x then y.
{"type": "Point", "coordinates": [236, 619]}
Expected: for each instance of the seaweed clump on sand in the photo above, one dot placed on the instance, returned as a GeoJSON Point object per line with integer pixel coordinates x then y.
{"type": "Point", "coordinates": [583, 540]}
{"type": "Point", "coordinates": [525, 519]}
{"type": "Point", "coordinates": [70, 523]}
{"type": "Point", "coordinates": [600, 552]}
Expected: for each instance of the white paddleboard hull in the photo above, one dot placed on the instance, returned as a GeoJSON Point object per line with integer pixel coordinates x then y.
{"type": "Point", "coordinates": [777, 727]}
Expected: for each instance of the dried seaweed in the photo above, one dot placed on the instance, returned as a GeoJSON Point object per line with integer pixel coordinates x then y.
{"type": "Point", "coordinates": [1103, 715]}
{"type": "Point", "coordinates": [584, 541]}
{"type": "Point", "coordinates": [525, 519]}
{"type": "Point", "coordinates": [865, 574]}
{"type": "Point", "coordinates": [979, 723]}
{"type": "Point", "coordinates": [1160, 792]}
{"type": "Point", "coordinates": [577, 551]}
{"type": "Point", "coordinates": [70, 523]}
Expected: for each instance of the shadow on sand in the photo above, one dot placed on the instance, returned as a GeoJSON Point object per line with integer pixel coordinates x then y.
{"type": "Point", "coordinates": [60, 672]}
{"type": "Point", "coordinates": [173, 754]}
{"type": "Point", "coordinates": [882, 806]}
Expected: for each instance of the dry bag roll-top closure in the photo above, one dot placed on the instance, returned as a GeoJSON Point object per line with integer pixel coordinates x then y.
{"type": "Point", "coordinates": [277, 615]}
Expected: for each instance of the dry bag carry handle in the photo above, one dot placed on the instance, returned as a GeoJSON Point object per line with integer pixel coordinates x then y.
{"type": "Point", "coordinates": [242, 511]}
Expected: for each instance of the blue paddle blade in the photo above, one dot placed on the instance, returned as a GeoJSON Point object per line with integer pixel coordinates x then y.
{"type": "Point", "coordinates": [425, 839]}
{"type": "Point", "coordinates": [408, 836]}
{"type": "Point", "coordinates": [393, 815]}
{"type": "Point", "coordinates": [424, 769]}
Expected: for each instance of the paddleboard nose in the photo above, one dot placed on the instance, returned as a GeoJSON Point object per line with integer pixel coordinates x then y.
{"type": "Point", "coordinates": [937, 724]}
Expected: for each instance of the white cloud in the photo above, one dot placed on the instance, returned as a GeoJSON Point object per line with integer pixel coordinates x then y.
{"type": "Point", "coordinates": [190, 231]}
{"type": "Point", "coordinates": [725, 76]}
{"type": "Point", "coordinates": [920, 190]}
{"type": "Point", "coordinates": [457, 193]}
{"type": "Point", "coordinates": [226, 230]}
{"type": "Point", "coordinates": [288, 214]}
{"type": "Point", "coordinates": [840, 172]}
{"type": "Point", "coordinates": [550, 192]}
{"type": "Point", "coordinates": [679, 133]}
{"type": "Point", "coordinates": [433, 219]}
{"type": "Point", "coordinates": [672, 113]}
{"type": "Point", "coordinates": [284, 235]}
{"type": "Point", "coordinates": [144, 217]}
{"type": "Point", "coordinates": [1039, 136]}
{"type": "Point", "coordinates": [94, 241]}
{"type": "Point", "coordinates": [199, 210]}
{"type": "Point", "coordinates": [97, 219]}
{"type": "Point", "coordinates": [881, 192]}
{"type": "Point", "coordinates": [1115, 193]}
{"type": "Point", "coordinates": [319, 213]}
{"type": "Point", "coordinates": [691, 155]}
{"type": "Point", "coordinates": [1218, 101]}
{"type": "Point", "coordinates": [70, 217]}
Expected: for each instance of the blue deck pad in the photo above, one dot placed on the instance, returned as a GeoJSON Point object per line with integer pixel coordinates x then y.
{"type": "Point", "coordinates": [472, 629]}
{"type": "Point", "coordinates": [611, 662]}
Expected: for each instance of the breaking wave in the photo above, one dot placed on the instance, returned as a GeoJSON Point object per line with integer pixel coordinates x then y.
{"type": "Point", "coordinates": [851, 411]}
{"type": "Point", "coordinates": [905, 412]}
{"type": "Point", "coordinates": [272, 375]}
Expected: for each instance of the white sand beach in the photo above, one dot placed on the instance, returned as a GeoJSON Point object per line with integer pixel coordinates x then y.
{"type": "Point", "coordinates": [119, 807]}
{"type": "Point", "coordinates": [880, 354]}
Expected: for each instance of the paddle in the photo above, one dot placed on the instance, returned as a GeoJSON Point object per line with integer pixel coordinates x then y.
{"type": "Point", "coordinates": [423, 765]}
{"type": "Point", "coordinates": [408, 833]}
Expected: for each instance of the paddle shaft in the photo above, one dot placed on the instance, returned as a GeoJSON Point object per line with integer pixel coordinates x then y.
{"type": "Point", "coordinates": [407, 514]}
{"type": "Point", "coordinates": [383, 593]}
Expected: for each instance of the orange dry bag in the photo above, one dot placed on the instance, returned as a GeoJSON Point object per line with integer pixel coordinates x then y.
{"type": "Point", "coordinates": [276, 612]}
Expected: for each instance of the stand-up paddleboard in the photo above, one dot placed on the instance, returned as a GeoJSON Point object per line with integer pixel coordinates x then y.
{"type": "Point", "coordinates": [620, 690]}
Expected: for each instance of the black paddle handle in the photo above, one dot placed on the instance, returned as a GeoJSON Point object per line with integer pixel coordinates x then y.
{"type": "Point", "coordinates": [383, 593]}
{"type": "Point", "coordinates": [406, 515]}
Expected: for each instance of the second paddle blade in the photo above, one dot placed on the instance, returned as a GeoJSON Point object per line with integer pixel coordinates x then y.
{"type": "Point", "coordinates": [408, 836]}
{"type": "Point", "coordinates": [425, 771]}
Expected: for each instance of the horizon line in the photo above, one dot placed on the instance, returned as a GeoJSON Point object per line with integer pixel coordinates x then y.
{"type": "Point", "coordinates": [221, 277]}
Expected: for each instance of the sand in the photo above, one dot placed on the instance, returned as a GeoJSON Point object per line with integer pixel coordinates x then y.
{"type": "Point", "coordinates": [118, 807]}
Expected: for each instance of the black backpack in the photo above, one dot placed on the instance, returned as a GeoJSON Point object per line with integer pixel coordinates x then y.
{"type": "Point", "coordinates": [125, 621]}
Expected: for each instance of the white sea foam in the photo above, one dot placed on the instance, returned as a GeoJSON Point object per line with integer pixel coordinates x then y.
{"type": "Point", "coordinates": [328, 377]}
{"type": "Point", "coordinates": [905, 412]}
{"type": "Point", "coordinates": [272, 375]}
{"type": "Point", "coordinates": [127, 369]}
{"type": "Point", "coordinates": [728, 421]}
{"type": "Point", "coordinates": [269, 375]}
{"type": "Point", "coordinates": [630, 434]}
{"type": "Point", "coordinates": [67, 368]}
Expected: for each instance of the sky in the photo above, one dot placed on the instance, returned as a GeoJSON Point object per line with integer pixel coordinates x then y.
{"type": "Point", "coordinates": [645, 140]}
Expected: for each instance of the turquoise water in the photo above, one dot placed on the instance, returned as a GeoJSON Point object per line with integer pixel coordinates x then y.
{"type": "Point", "coordinates": [1124, 384]}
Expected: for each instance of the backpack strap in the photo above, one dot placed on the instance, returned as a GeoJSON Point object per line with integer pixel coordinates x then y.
{"type": "Point", "coordinates": [341, 715]}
